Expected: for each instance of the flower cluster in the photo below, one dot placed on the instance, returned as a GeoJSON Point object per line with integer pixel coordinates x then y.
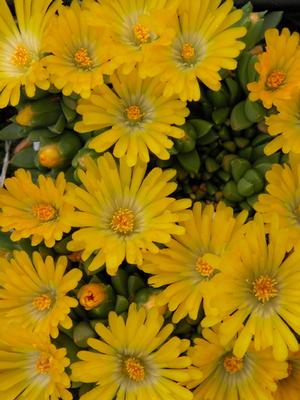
{"type": "Point", "coordinates": [114, 285]}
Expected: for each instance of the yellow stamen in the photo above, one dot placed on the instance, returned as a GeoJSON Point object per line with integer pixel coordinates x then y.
{"type": "Point", "coordinates": [82, 58]}
{"type": "Point", "coordinates": [43, 364]}
{"type": "Point", "coordinates": [44, 212]}
{"type": "Point", "coordinates": [91, 295]}
{"type": "Point", "coordinates": [134, 113]}
{"type": "Point", "coordinates": [188, 51]}
{"type": "Point", "coordinates": [21, 56]}
{"type": "Point", "coordinates": [203, 267]}
{"type": "Point", "coordinates": [141, 33]}
{"type": "Point", "coordinates": [134, 369]}
{"type": "Point", "coordinates": [264, 288]}
{"type": "Point", "coordinates": [122, 221]}
{"type": "Point", "coordinates": [232, 364]}
{"type": "Point", "coordinates": [42, 302]}
{"type": "Point", "coordinates": [275, 79]}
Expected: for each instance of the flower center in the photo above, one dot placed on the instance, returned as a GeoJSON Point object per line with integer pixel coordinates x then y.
{"type": "Point", "coordinates": [188, 52]}
{"type": "Point", "coordinates": [134, 113]}
{"type": "Point", "coordinates": [123, 221]}
{"type": "Point", "coordinates": [141, 33]}
{"type": "Point", "coordinates": [21, 56]}
{"type": "Point", "coordinates": [275, 79]}
{"type": "Point", "coordinates": [232, 364]}
{"type": "Point", "coordinates": [82, 58]}
{"type": "Point", "coordinates": [42, 302]}
{"type": "Point", "coordinates": [264, 288]}
{"type": "Point", "coordinates": [44, 212]}
{"type": "Point", "coordinates": [43, 364]}
{"type": "Point", "coordinates": [203, 267]}
{"type": "Point", "coordinates": [134, 369]}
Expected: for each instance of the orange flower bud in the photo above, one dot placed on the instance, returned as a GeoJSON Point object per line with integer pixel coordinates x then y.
{"type": "Point", "coordinates": [91, 295]}
{"type": "Point", "coordinates": [50, 156]}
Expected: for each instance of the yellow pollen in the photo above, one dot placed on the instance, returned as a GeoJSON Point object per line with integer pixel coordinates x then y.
{"type": "Point", "coordinates": [43, 364]}
{"type": "Point", "coordinates": [122, 221]}
{"type": "Point", "coordinates": [275, 79]}
{"type": "Point", "coordinates": [134, 369]}
{"type": "Point", "coordinates": [188, 51]}
{"type": "Point", "coordinates": [44, 212]}
{"type": "Point", "coordinates": [141, 33]}
{"type": "Point", "coordinates": [264, 288]}
{"type": "Point", "coordinates": [134, 113]}
{"type": "Point", "coordinates": [232, 364]}
{"type": "Point", "coordinates": [21, 56]}
{"type": "Point", "coordinates": [42, 302]}
{"type": "Point", "coordinates": [203, 267]}
{"type": "Point", "coordinates": [82, 58]}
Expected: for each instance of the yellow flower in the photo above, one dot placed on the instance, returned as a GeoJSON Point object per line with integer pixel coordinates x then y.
{"type": "Point", "coordinates": [122, 212]}
{"type": "Point", "coordinates": [21, 49]}
{"type": "Point", "coordinates": [31, 367]}
{"type": "Point", "coordinates": [80, 54]}
{"type": "Point", "coordinates": [191, 260]}
{"type": "Point", "coordinates": [285, 126]}
{"type": "Point", "coordinates": [278, 68]}
{"type": "Point", "coordinates": [283, 197]}
{"type": "Point", "coordinates": [33, 292]}
{"type": "Point", "coordinates": [137, 27]}
{"type": "Point", "coordinates": [139, 116]}
{"type": "Point", "coordinates": [226, 377]}
{"type": "Point", "coordinates": [36, 211]}
{"type": "Point", "coordinates": [134, 360]}
{"type": "Point", "coordinates": [205, 42]}
{"type": "Point", "coordinates": [258, 287]}
{"type": "Point", "coordinates": [91, 295]}
{"type": "Point", "coordinates": [288, 388]}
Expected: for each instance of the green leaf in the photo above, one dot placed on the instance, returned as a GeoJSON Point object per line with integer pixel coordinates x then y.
{"type": "Point", "coordinates": [24, 159]}
{"type": "Point", "coordinates": [190, 161]}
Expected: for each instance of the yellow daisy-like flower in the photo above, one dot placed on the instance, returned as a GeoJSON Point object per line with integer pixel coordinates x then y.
{"type": "Point", "coordinates": [21, 48]}
{"type": "Point", "coordinates": [134, 360]}
{"type": "Point", "coordinates": [31, 367]}
{"type": "Point", "coordinates": [225, 376]}
{"type": "Point", "coordinates": [278, 68]}
{"type": "Point", "coordinates": [33, 292]}
{"type": "Point", "coordinates": [283, 196]}
{"type": "Point", "coordinates": [289, 387]}
{"type": "Point", "coordinates": [80, 54]}
{"type": "Point", "coordinates": [205, 42]}
{"type": "Point", "coordinates": [138, 27]}
{"type": "Point", "coordinates": [285, 126]}
{"type": "Point", "coordinates": [139, 116]}
{"type": "Point", "coordinates": [122, 212]}
{"type": "Point", "coordinates": [36, 211]}
{"type": "Point", "coordinates": [191, 260]}
{"type": "Point", "coordinates": [258, 287]}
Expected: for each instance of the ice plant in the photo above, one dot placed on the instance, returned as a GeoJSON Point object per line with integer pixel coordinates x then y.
{"type": "Point", "coordinates": [80, 54]}
{"type": "Point", "coordinates": [137, 27]}
{"type": "Point", "coordinates": [278, 68]}
{"type": "Point", "coordinates": [136, 116]}
{"type": "Point", "coordinates": [21, 48]}
{"type": "Point", "coordinates": [34, 210]}
{"type": "Point", "coordinates": [122, 212]}
{"type": "Point", "coordinates": [258, 287]}
{"type": "Point", "coordinates": [135, 360]}
{"type": "Point", "coordinates": [31, 367]}
{"type": "Point", "coordinates": [285, 126]}
{"type": "Point", "coordinates": [205, 42]}
{"type": "Point", "coordinates": [225, 376]}
{"type": "Point", "coordinates": [288, 387]}
{"type": "Point", "coordinates": [34, 291]}
{"type": "Point", "coordinates": [189, 261]}
{"type": "Point", "coordinates": [91, 295]}
{"type": "Point", "coordinates": [283, 196]}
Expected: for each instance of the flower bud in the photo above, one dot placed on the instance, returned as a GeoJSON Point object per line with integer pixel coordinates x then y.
{"type": "Point", "coordinates": [91, 295]}
{"type": "Point", "coordinates": [50, 156]}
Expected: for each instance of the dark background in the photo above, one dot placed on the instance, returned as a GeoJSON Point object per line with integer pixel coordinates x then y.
{"type": "Point", "coordinates": [291, 8]}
